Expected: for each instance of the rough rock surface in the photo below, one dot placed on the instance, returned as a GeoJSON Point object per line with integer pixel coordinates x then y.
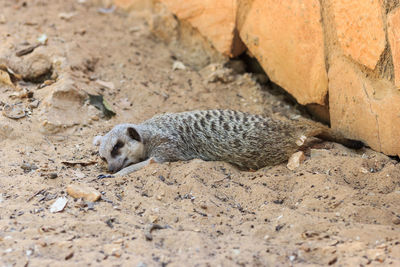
{"type": "Point", "coordinates": [216, 20]}
{"type": "Point", "coordinates": [393, 30]}
{"type": "Point", "coordinates": [35, 66]}
{"type": "Point", "coordinates": [186, 42]}
{"type": "Point", "coordinates": [63, 105]}
{"type": "Point", "coordinates": [293, 58]}
{"type": "Point", "coordinates": [363, 109]}
{"type": "Point", "coordinates": [360, 30]}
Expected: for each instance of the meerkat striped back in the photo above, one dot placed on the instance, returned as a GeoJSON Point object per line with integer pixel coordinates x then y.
{"type": "Point", "coordinates": [245, 140]}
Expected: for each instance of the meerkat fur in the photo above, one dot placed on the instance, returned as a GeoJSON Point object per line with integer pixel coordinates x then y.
{"type": "Point", "coordinates": [247, 141]}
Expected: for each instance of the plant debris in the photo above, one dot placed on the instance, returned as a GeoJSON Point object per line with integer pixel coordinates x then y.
{"type": "Point", "coordinates": [26, 51]}
{"type": "Point", "coordinates": [82, 163]}
{"type": "Point", "coordinates": [99, 102]}
{"type": "Point", "coordinates": [150, 227]}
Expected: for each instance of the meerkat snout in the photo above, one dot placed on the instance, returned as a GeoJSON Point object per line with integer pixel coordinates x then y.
{"type": "Point", "coordinates": [97, 140]}
{"type": "Point", "coordinates": [120, 147]}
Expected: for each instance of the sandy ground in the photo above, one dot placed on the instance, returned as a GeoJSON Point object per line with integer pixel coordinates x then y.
{"type": "Point", "coordinates": [340, 207]}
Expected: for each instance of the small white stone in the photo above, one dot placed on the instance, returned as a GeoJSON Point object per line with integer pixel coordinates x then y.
{"type": "Point", "coordinates": [236, 251]}
{"type": "Point", "coordinates": [59, 204]}
{"type": "Point", "coordinates": [42, 39]}
{"type": "Point", "coordinates": [178, 65]}
{"type": "Point", "coordinates": [66, 15]}
{"type": "Point", "coordinates": [295, 160]}
{"type": "Point", "coordinates": [29, 252]}
{"type": "Point", "coordinates": [79, 174]}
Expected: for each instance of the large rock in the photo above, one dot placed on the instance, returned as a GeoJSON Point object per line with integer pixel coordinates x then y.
{"type": "Point", "coordinates": [394, 40]}
{"type": "Point", "coordinates": [287, 39]}
{"type": "Point", "coordinates": [34, 67]}
{"type": "Point", "coordinates": [360, 30]}
{"type": "Point", "coordinates": [63, 105]}
{"type": "Point", "coordinates": [364, 109]}
{"type": "Point", "coordinates": [215, 20]}
{"type": "Point", "coordinates": [184, 41]}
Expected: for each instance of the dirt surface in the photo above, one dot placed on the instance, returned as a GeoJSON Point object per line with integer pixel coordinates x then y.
{"type": "Point", "coordinates": [340, 207]}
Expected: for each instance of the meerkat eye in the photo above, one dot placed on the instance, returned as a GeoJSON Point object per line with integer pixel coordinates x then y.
{"type": "Point", "coordinates": [115, 150]}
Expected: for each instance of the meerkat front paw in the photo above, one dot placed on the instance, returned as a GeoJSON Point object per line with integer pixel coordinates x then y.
{"type": "Point", "coordinates": [135, 167]}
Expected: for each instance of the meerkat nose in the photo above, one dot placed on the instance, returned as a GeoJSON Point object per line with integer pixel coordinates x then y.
{"type": "Point", "coordinates": [112, 168]}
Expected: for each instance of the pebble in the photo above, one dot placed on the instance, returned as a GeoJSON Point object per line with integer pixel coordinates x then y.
{"type": "Point", "coordinates": [113, 249]}
{"type": "Point", "coordinates": [83, 191]}
{"type": "Point", "coordinates": [29, 252]}
{"type": "Point", "coordinates": [34, 104]}
{"type": "Point", "coordinates": [236, 251]}
{"type": "Point", "coordinates": [295, 160]}
{"type": "Point", "coordinates": [59, 205]}
{"type": "Point", "coordinates": [28, 167]}
{"type": "Point", "coordinates": [178, 65]}
{"type": "Point", "coordinates": [53, 175]}
{"type": "Point", "coordinates": [396, 221]}
{"type": "Point", "coordinates": [15, 111]}
{"type": "Point", "coordinates": [42, 39]}
{"type": "Point", "coordinates": [66, 15]}
{"type": "Point", "coordinates": [79, 174]}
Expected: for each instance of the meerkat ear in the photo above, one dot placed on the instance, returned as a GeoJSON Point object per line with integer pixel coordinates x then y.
{"type": "Point", "coordinates": [132, 133]}
{"type": "Point", "coordinates": [97, 140]}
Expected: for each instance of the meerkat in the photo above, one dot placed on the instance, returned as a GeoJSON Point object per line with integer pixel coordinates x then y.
{"type": "Point", "coordinates": [247, 141]}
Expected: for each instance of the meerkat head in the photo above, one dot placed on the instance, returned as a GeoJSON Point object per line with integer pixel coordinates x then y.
{"type": "Point", "coordinates": [120, 147]}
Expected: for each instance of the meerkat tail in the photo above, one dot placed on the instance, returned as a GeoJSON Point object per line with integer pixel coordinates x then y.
{"type": "Point", "coordinates": [325, 133]}
{"type": "Point", "coordinates": [334, 136]}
